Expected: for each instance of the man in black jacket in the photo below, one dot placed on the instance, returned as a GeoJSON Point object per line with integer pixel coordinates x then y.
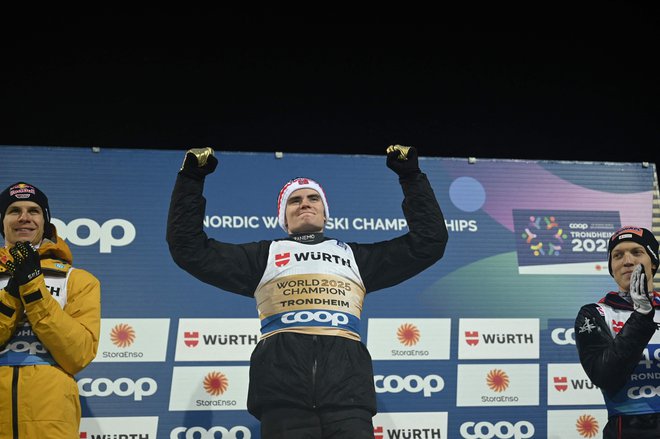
{"type": "Point", "coordinates": [310, 375]}
{"type": "Point", "coordinates": [614, 338]}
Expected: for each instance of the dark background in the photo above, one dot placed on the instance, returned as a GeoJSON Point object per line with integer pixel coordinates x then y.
{"type": "Point", "coordinates": [526, 84]}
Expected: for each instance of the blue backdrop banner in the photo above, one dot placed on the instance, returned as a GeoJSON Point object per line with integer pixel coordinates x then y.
{"type": "Point", "coordinates": [480, 345]}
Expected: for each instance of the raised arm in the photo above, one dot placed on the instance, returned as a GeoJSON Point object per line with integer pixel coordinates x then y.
{"type": "Point", "coordinates": [387, 263]}
{"type": "Point", "coordinates": [232, 267]}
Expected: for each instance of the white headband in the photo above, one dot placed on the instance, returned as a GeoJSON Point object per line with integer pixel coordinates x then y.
{"type": "Point", "coordinates": [289, 188]}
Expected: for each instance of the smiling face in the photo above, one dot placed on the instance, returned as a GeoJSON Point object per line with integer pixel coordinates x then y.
{"type": "Point", "coordinates": [305, 212]}
{"type": "Point", "coordinates": [625, 257]}
{"type": "Point", "coordinates": [23, 221]}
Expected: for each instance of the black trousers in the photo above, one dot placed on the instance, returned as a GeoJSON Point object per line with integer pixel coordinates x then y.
{"type": "Point", "coordinates": [633, 427]}
{"type": "Point", "coordinates": [296, 423]}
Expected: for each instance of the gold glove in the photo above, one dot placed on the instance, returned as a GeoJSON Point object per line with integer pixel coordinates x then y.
{"type": "Point", "coordinates": [403, 151]}
{"type": "Point", "coordinates": [201, 154]}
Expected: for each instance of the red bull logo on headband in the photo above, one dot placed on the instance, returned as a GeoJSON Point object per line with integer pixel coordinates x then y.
{"type": "Point", "coordinates": [22, 191]}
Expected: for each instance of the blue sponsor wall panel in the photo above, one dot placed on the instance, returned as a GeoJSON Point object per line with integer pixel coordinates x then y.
{"type": "Point", "coordinates": [527, 240]}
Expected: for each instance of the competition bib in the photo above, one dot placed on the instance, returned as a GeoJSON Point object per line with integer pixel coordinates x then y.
{"type": "Point", "coordinates": [311, 289]}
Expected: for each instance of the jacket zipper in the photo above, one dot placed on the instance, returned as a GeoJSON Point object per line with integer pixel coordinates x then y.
{"type": "Point", "coordinates": [14, 402]}
{"type": "Point", "coordinates": [315, 340]}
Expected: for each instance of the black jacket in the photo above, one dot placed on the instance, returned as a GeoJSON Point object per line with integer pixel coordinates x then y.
{"type": "Point", "coordinates": [609, 361]}
{"type": "Point", "coordinates": [302, 370]}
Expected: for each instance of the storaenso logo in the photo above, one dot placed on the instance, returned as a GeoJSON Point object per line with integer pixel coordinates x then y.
{"type": "Point", "coordinates": [24, 346]}
{"type": "Point", "coordinates": [411, 383]}
{"type": "Point", "coordinates": [93, 232]}
{"type": "Point", "coordinates": [319, 316]}
{"type": "Point", "coordinates": [121, 387]}
{"type": "Point", "coordinates": [211, 433]}
{"type": "Point", "coordinates": [500, 430]}
{"type": "Point", "coordinates": [563, 336]}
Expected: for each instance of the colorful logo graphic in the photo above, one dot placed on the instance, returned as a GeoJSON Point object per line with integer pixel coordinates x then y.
{"type": "Point", "coordinates": [122, 335]}
{"type": "Point", "coordinates": [563, 241]}
{"type": "Point", "coordinates": [408, 334]}
{"type": "Point", "coordinates": [191, 339]}
{"type": "Point", "coordinates": [587, 426]}
{"type": "Point", "coordinates": [497, 380]}
{"type": "Point", "coordinates": [472, 338]}
{"type": "Point", "coordinates": [281, 259]}
{"type": "Point", "coordinates": [617, 326]}
{"type": "Point", "coordinates": [561, 383]}
{"type": "Point", "coordinates": [215, 383]}
{"type": "Point", "coordinates": [544, 235]}
{"type": "Point", "coordinates": [378, 432]}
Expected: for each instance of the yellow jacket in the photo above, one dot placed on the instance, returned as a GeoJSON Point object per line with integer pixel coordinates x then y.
{"type": "Point", "coordinates": [52, 335]}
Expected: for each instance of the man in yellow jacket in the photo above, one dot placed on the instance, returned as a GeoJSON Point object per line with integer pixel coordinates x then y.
{"type": "Point", "coordinates": [50, 317]}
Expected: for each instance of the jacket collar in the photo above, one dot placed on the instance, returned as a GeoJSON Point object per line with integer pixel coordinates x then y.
{"type": "Point", "coordinates": [614, 299]}
{"type": "Point", "coordinates": [307, 238]}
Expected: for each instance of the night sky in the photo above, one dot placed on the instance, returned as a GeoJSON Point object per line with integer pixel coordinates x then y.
{"type": "Point", "coordinates": [565, 86]}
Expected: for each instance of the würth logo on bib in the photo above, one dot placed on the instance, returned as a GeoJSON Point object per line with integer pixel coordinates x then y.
{"type": "Point", "coordinates": [321, 256]}
{"type": "Point", "coordinates": [281, 259]}
{"type": "Point", "coordinates": [617, 326]}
